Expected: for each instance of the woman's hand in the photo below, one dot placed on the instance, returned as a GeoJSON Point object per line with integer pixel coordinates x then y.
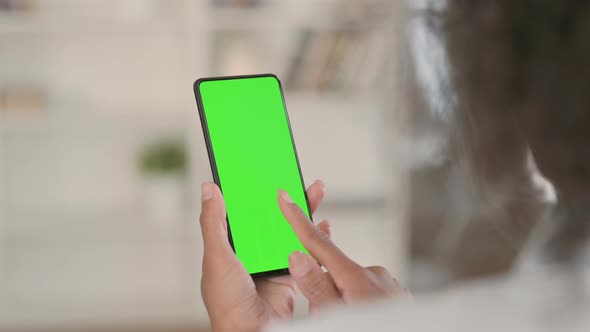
{"type": "Point", "coordinates": [345, 281]}
{"type": "Point", "coordinates": [234, 301]}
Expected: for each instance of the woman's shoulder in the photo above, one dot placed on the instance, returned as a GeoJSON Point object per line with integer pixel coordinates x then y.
{"type": "Point", "coordinates": [511, 304]}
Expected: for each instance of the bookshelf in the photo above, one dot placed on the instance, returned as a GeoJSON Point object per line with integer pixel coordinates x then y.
{"type": "Point", "coordinates": [311, 53]}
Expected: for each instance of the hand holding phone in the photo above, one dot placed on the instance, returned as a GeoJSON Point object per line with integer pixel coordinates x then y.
{"type": "Point", "coordinates": [235, 301]}
{"type": "Point", "coordinates": [246, 233]}
{"type": "Point", "coordinates": [252, 155]}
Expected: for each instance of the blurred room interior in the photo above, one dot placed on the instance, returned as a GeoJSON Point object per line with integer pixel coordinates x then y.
{"type": "Point", "coordinates": [102, 155]}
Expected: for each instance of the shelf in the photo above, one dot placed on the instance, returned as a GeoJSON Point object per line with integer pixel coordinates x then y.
{"type": "Point", "coordinates": [91, 120]}
{"type": "Point", "coordinates": [336, 98]}
{"type": "Point", "coordinates": [241, 18]}
{"type": "Point", "coordinates": [260, 18]}
{"type": "Point", "coordinates": [267, 19]}
{"type": "Point", "coordinates": [34, 24]}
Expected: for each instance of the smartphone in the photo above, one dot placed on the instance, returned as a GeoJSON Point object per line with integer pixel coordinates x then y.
{"type": "Point", "coordinates": [252, 154]}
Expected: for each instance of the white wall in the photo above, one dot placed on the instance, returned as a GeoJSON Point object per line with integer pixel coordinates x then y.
{"type": "Point", "coordinates": [76, 246]}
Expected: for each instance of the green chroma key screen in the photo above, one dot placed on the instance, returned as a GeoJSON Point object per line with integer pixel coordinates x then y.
{"type": "Point", "coordinates": [253, 155]}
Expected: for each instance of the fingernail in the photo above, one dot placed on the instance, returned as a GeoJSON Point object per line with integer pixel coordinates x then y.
{"type": "Point", "coordinates": [284, 196]}
{"type": "Point", "coordinates": [299, 264]}
{"type": "Point", "coordinates": [322, 184]}
{"type": "Point", "coordinates": [206, 191]}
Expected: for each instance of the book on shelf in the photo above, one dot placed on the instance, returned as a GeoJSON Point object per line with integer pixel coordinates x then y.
{"type": "Point", "coordinates": [339, 59]}
{"type": "Point", "coordinates": [17, 5]}
{"type": "Point", "coordinates": [22, 99]}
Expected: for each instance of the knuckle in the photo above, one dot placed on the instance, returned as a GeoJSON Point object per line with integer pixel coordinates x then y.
{"type": "Point", "coordinates": [203, 218]}
{"type": "Point", "coordinates": [300, 211]}
{"type": "Point", "coordinates": [318, 286]}
{"type": "Point", "coordinates": [381, 283]}
{"type": "Point", "coordinates": [311, 234]}
{"type": "Point", "coordinates": [380, 272]}
{"type": "Point", "coordinates": [396, 283]}
{"type": "Point", "coordinates": [316, 238]}
{"type": "Point", "coordinates": [319, 235]}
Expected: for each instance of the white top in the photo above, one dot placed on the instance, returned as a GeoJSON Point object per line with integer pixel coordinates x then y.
{"type": "Point", "coordinates": [540, 300]}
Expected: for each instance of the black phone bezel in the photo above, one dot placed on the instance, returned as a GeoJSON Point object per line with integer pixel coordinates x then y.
{"type": "Point", "coordinates": [211, 154]}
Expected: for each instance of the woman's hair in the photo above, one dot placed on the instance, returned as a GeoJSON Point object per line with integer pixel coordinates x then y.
{"type": "Point", "coordinates": [514, 82]}
{"type": "Point", "coordinates": [521, 72]}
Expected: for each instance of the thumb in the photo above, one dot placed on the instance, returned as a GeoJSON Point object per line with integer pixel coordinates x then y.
{"type": "Point", "coordinates": [213, 222]}
{"type": "Point", "coordinates": [316, 285]}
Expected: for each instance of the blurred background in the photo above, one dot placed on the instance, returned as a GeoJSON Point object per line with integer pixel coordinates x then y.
{"type": "Point", "coordinates": [102, 155]}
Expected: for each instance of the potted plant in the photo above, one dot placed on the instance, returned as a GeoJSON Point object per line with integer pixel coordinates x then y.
{"type": "Point", "coordinates": [163, 165]}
